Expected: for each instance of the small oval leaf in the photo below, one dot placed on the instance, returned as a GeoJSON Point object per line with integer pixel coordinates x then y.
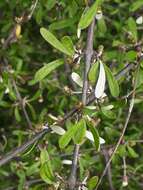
{"type": "Point", "coordinates": [77, 79]}
{"type": "Point", "coordinates": [57, 129]}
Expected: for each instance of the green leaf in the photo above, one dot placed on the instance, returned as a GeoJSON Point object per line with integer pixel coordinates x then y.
{"type": "Point", "coordinates": [122, 150]}
{"type": "Point", "coordinates": [80, 133]}
{"type": "Point", "coordinates": [47, 69]}
{"type": "Point", "coordinates": [49, 37]}
{"type": "Point", "coordinates": [102, 28]}
{"type": "Point", "coordinates": [89, 15]}
{"type": "Point", "coordinates": [136, 5]}
{"type": "Point", "coordinates": [17, 114]}
{"type": "Point", "coordinates": [132, 27]}
{"type": "Point", "coordinates": [60, 24]}
{"type": "Point", "coordinates": [132, 153]}
{"type": "Point", "coordinates": [108, 113]}
{"type": "Point", "coordinates": [30, 150]}
{"type": "Point", "coordinates": [140, 77]}
{"type": "Point", "coordinates": [50, 4]}
{"type": "Point", "coordinates": [92, 182]}
{"type": "Point", "coordinates": [95, 135]}
{"type": "Point", "coordinates": [131, 55]}
{"type": "Point", "coordinates": [93, 73]}
{"type": "Point", "coordinates": [112, 82]}
{"type": "Point", "coordinates": [67, 42]}
{"type": "Point", "coordinates": [66, 138]}
{"type": "Point", "coordinates": [33, 169]}
{"type": "Point", "coordinates": [46, 172]}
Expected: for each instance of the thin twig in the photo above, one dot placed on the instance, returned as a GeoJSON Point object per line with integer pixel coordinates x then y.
{"type": "Point", "coordinates": [124, 127]}
{"type": "Point", "coordinates": [22, 104]}
{"type": "Point", "coordinates": [109, 174]}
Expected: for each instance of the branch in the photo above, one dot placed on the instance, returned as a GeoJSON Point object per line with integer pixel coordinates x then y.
{"type": "Point", "coordinates": [88, 56]}
{"type": "Point", "coordinates": [109, 174]}
{"type": "Point", "coordinates": [9, 156]}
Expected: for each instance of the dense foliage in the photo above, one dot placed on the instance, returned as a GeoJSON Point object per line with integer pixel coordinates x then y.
{"type": "Point", "coordinates": [71, 79]}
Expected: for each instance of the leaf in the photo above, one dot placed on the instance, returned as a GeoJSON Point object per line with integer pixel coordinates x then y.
{"type": "Point", "coordinates": [89, 136]}
{"type": "Point", "coordinates": [49, 37]}
{"type": "Point", "coordinates": [89, 15]}
{"type": "Point", "coordinates": [92, 182]}
{"type": "Point", "coordinates": [67, 42]}
{"type": "Point", "coordinates": [108, 113]}
{"type": "Point", "coordinates": [17, 114]}
{"type": "Point", "coordinates": [112, 82]}
{"type": "Point", "coordinates": [46, 172]}
{"type": "Point", "coordinates": [132, 153]}
{"type": "Point", "coordinates": [61, 24]}
{"type": "Point", "coordinates": [33, 169]}
{"type": "Point", "coordinates": [136, 5]}
{"type": "Point", "coordinates": [132, 27]}
{"type": "Point", "coordinates": [47, 69]}
{"type": "Point", "coordinates": [140, 77]}
{"type": "Point", "coordinates": [80, 133]}
{"type": "Point", "coordinates": [67, 162]}
{"type": "Point", "coordinates": [95, 135]}
{"type": "Point", "coordinates": [66, 138]}
{"type": "Point", "coordinates": [76, 78]}
{"type": "Point", "coordinates": [50, 4]}
{"type": "Point", "coordinates": [139, 20]}
{"type": "Point", "coordinates": [102, 28]}
{"type": "Point", "coordinates": [93, 73]}
{"type": "Point", "coordinates": [57, 129]}
{"type": "Point", "coordinates": [131, 55]}
{"type": "Point", "coordinates": [100, 86]}
{"type": "Point", "coordinates": [30, 150]}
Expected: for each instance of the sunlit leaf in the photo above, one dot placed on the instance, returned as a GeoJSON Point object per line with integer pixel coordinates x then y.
{"type": "Point", "coordinates": [67, 42]}
{"type": "Point", "coordinates": [49, 37]}
{"type": "Point", "coordinates": [89, 15]}
{"type": "Point", "coordinates": [100, 86]}
{"type": "Point", "coordinates": [57, 129]}
{"type": "Point", "coordinates": [77, 79]}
